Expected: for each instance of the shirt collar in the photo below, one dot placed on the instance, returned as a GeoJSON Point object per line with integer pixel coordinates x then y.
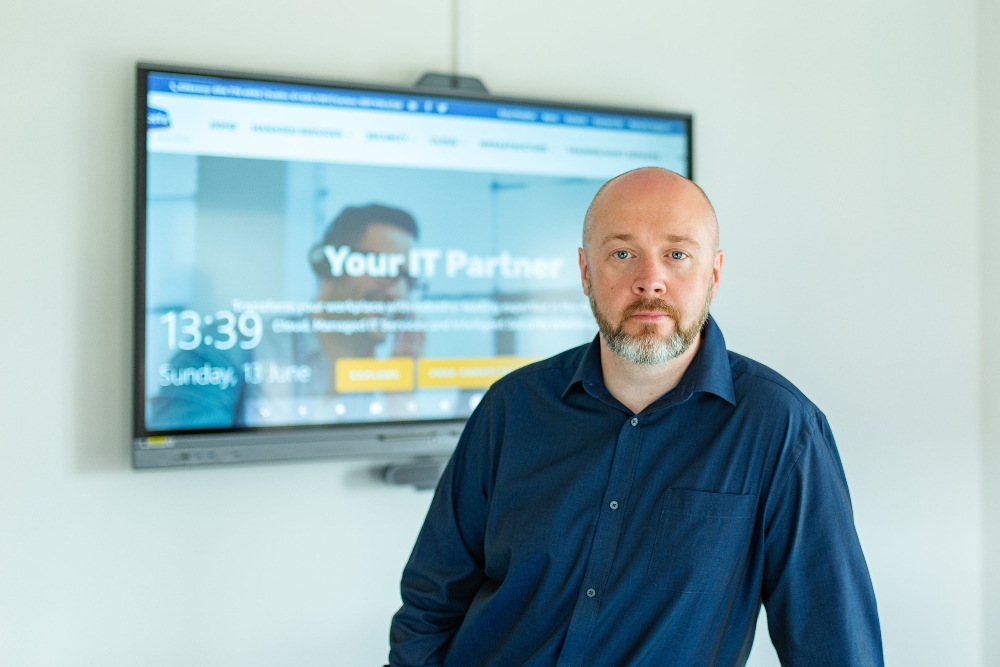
{"type": "Point", "coordinates": [709, 371]}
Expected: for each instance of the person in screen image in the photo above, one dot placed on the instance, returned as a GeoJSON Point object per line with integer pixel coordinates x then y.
{"type": "Point", "coordinates": [368, 229]}
{"type": "Point", "coordinates": [299, 364]}
{"type": "Point", "coordinates": [633, 501]}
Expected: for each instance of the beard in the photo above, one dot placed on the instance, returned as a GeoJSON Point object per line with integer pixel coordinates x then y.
{"type": "Point", "coordinates": [649, 346]}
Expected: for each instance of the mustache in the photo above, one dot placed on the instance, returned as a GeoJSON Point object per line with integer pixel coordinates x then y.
{"type": "Point", "coordinates": [648, 305]}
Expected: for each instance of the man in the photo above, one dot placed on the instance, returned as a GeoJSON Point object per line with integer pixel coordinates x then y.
{"type": "Point", "coordinates": [635, 500]}
{"type": "Point", "coordinates": [373, 229]}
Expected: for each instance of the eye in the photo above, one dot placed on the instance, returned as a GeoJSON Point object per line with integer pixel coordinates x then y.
{"type": "Point", "coordinates": [678, 254]}
{"type": "Point", "coordinates": [621, 254]}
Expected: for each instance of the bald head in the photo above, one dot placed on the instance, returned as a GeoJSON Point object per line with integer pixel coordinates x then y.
{"type": "Point", "coordinates": [668, 191]}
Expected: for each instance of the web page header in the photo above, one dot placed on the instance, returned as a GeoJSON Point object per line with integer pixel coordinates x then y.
{"type": "Point", "coordinates": [345, 98]}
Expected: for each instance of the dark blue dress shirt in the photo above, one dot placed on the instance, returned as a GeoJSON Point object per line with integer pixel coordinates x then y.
{"type": "Point", "coordinates": [568, 532]}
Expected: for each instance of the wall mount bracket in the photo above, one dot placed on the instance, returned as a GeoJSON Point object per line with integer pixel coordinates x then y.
{"type": "Point", "coordinates": [422, 473]}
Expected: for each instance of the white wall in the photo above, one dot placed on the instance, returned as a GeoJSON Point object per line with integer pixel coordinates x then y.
{"type": "Point", "coordinates": [989, 39]}
{"type": "Point", "coordinates": [839, 143]}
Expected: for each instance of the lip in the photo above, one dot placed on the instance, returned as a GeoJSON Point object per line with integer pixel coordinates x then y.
{"type": "Point", "coordinates": [654, 316]}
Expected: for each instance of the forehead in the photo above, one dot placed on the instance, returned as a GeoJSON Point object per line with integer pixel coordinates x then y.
{"type": "Point", "coordinates": [383, 237]}
{"type": "Point", "coordinates": [652, 215]}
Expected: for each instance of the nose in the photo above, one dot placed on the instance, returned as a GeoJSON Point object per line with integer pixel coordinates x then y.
{"type": "Point", "coordinates": [651, 279]}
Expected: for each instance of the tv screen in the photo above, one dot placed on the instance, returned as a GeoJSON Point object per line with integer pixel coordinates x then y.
{"type": "Point", "coordinates": [331, 269]}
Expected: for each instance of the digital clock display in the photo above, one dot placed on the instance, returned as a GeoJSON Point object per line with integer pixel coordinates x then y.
{"type": "Point", "coordinates": [187, 329]}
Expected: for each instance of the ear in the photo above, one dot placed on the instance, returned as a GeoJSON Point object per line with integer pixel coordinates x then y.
{"type": "Point", "coordinates": [717, 272]}
{"type": "Point", "coordinates": [583, 270]}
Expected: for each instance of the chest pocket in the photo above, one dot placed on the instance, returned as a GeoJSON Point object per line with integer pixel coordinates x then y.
{"type": "Point", "coordinates": [701, 538]}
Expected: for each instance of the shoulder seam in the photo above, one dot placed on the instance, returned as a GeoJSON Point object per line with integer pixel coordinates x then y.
{"type": "Point", "coordinates": [785, 385]}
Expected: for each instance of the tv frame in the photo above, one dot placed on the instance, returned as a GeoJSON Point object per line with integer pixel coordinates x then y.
{"type": "Point", "coordinates": [385, 441]}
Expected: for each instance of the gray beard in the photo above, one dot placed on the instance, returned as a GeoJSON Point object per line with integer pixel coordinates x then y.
{"type": "Point", "coordinates": [648, 347]}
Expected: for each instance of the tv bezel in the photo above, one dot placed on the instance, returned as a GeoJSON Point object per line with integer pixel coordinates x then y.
{"type": "Point", "coordinates": [358, 441]}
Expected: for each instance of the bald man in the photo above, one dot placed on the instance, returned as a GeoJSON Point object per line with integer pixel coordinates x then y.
{"type": "Point", "coordinates": [635, 500]}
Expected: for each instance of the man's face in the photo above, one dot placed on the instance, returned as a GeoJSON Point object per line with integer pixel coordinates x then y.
{"type": "Point", "coordinates": [650, 267]}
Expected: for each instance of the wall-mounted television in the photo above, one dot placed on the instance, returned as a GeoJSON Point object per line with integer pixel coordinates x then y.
{"type": "Point", "coordinates": [330, 269]}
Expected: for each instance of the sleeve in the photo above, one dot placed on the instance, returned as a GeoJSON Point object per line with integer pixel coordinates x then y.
{"type": "Point", "coordinates": [817, 591]}
{"type": "Point", "coordinates": [446, 568]}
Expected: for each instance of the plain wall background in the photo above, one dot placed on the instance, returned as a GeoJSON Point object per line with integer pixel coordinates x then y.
{"type": "Point", "coordinates": [990, 201]}
{"type": "Point", "coordinates": [839, 142]}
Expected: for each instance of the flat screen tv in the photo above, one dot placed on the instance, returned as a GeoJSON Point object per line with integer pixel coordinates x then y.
{"type": "Point", "coordinates": [330, 269]}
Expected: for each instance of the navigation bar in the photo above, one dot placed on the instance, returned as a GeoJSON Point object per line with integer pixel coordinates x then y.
{"type": "Point", "coordinates": [235, 127]}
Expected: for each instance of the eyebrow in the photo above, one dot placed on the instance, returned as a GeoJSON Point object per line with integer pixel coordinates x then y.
{"type": "Point", "coordinates": [682, 239]}
{"type": "Point", "coordinates": [672, 238]}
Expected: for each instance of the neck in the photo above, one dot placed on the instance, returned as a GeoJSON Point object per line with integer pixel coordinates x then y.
{"type": "Point", "coordinates": [638, 385]}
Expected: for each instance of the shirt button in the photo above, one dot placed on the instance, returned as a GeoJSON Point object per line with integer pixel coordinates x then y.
{"type": "Point", "coordinates": [614, 504]}
{"type": "Point", "coordinates": [635, 421]}
{"type": "Point", "coordinates": [591, 592]}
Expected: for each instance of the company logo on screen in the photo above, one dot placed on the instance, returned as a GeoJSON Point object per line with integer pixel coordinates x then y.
{"type": "Point", "coordinates": [156, 118]}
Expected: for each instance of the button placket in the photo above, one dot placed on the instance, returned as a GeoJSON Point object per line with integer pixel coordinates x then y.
{"type": "Point", "coordinates": [604, 547]}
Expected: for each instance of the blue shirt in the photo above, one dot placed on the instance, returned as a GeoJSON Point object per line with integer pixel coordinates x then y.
{"type": "Point", "coordinates": [568, 532]}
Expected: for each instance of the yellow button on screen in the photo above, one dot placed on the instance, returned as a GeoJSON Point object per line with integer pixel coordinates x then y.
{"type": "Point", "coordinates": [363, 375]}
{"type": "Point", "coordinates": [466, 373]}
